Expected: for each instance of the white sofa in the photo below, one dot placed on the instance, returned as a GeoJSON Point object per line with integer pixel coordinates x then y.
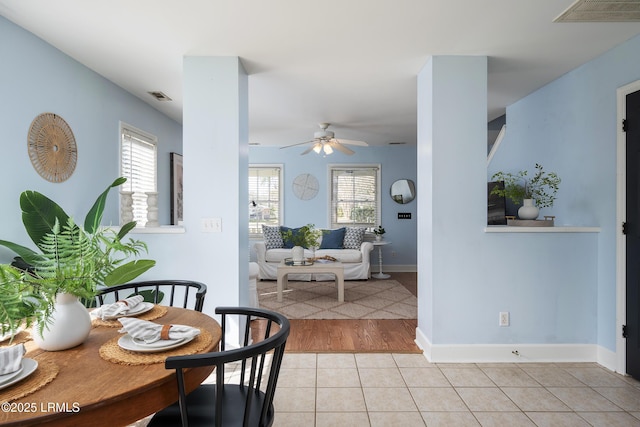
{"type": "Point", "coordinates": [357, 263]}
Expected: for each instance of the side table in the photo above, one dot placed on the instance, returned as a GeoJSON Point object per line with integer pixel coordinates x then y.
{"type": "Point", "coordinates": [379, 245]}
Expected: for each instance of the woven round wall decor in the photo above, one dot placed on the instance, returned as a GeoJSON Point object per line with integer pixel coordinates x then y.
{"type": "Point", "coordinates": [52, 147]}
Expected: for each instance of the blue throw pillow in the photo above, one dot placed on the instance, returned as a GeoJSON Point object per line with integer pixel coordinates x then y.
{"type": "Point", "coordinates": [332, 239]}
{"type": "Point", "coordinates": [288, 243]}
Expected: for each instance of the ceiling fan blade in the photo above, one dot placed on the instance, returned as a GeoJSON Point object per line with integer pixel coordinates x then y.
{"type": "Point", "coordinates": [308, 150]}
{"type": "Point", "coordinates": [299, 143]}
{"type": "Point", "coordinates": [351, 142]}
{"type": "Point", "coordinates": [340, 147]}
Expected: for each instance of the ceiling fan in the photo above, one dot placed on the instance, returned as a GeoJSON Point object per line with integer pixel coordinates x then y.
{"type": "Point", "coordinates": [324, 141]}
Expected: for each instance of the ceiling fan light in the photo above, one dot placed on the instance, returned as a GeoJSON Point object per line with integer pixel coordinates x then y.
{"type": "Point", "coordinates": [317, 147]}
{"type": "Point", "coordinates": [327, 149]}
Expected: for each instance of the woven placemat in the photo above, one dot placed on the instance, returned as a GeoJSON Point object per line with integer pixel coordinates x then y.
{"type": "Point", "coordinates": [43, 375]}
{"type": "Point", "coordinates": [155, 313]}
{"type": "Point", "coordinates": [21, 337]}
{"type": "Point", "coordinates": [112, 352]}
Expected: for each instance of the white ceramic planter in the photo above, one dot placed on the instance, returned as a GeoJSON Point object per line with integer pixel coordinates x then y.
{"type": "Point", "coordinates": [69, 325]}
{"type": "Point", "coordinates": [528, 210]}
{"type": "Point", "coordinates": [297, 253]}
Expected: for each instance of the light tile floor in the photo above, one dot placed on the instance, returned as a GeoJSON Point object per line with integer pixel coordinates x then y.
{"type": "Point", "coordinates": [373, 389]}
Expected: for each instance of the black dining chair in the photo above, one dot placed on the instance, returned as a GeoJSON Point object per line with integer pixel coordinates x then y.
{"type": "Point", "coordinates": [182, 293]}
{"type": "Point", "coordinates": [250, 401]}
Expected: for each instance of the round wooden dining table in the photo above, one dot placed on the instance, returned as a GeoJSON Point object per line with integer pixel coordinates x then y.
{"type": "Point", "coordinates": [91, 391]}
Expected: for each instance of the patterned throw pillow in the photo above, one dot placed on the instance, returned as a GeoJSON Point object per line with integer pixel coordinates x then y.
{"type": "Point", "coordinates": [353, 237]}
{"type": "Point", "coordinates": [272, 237]}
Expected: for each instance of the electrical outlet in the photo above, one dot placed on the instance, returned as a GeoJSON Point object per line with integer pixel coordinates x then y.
{"type": "Point", "coordinates": [504, 318]}
{"type": "Point", "coordinates": [393, 253]}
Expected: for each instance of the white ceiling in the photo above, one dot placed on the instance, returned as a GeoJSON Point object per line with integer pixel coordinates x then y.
{"type": "Point", "coordinates": [352, 63]}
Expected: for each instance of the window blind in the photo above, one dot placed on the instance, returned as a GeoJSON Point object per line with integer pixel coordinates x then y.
{"type": "Point", "coordinates": [354, 197]}
{"type": "Point", "coordinates": [264, 197]}
{"type": "Point", "coordinates": [139, 166]}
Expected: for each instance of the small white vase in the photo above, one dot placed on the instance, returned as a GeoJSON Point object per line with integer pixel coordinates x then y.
{"type": "Point", "coordinates": [297, 253]}
{"type": "Point", "coordinates": [528, 210]}
{"type": "Point", "coordinates": [68, 326]}
{"type": "Point", "coordinates": [378, 237]}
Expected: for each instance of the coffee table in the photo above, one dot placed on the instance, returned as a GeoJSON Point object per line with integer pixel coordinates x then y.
{"type": "Point", "coordinates": [336, 268]}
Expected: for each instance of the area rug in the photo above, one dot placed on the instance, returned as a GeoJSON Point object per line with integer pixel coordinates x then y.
{"type": "Point", "coordinates": [363, 299]}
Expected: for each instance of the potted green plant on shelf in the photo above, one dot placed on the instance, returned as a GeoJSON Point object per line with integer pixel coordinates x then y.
{"type": "Point", "coordinates": [538, 191]}
{"type": "Point", "coordinates": [72, 264]}
{"type": "Point", "coordinates": [379, 231]}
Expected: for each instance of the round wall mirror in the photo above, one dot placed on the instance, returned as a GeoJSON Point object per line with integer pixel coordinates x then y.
{"type": "Point", "coordinates": [403, 191]}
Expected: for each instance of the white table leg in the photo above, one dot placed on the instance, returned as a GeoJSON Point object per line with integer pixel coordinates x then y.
{"type": "Point", "coordinates": [282, 283]}
{"type": "Point", "coordinates": [340, 283]}
{"type": "Point", "coordinates": [380, 275]}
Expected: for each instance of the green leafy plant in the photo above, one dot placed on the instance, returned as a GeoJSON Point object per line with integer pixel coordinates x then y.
{"type": "Point", "coordinates": [306, 236]}
{"type": "Point", "coordinates": [542, 187]}
{"type": "Point", "coordinates": [71, 259]}
{"type": "Point", "coordinates": [379, 231]}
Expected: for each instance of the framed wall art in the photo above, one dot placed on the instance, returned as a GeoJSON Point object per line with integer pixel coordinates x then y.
{"type": "Point", "coordinates": [177, 194]}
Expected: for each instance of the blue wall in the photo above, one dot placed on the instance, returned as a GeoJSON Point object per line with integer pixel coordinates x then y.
{"type": "Point", "coordinates": [560, 288]}
{"type": "Point", "coordinates": [37, 78]}
{"type": "Point", "coordinates": [396, 162]}
{"type": "Point", "coordinates": [569, 126]}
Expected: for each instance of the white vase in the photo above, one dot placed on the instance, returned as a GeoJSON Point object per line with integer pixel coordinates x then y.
{"type": "Point", "coordinates": [378, 237]}
{"type": "Point", "coordinates": [126, 206]}
{"type": "Point", "coordinates": [528, 210]}
{"type": "Point", "coordinates": [297, 253]}
{"type": "Point", "coordinates": [152, 209]}
{"type": "Point", "coordinates": [69, 325]}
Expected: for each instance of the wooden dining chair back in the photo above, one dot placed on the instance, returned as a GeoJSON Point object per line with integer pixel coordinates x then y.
{"type": "Point", "coordinates": [175, 293]}
{"type": "Point", "coordinates": [247, 401]}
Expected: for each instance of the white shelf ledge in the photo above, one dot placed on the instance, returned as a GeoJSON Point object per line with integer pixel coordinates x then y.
{"type": "Point", "coordinates": [163, 229]}
{"type": "Point", "coordinates": [560, 229]}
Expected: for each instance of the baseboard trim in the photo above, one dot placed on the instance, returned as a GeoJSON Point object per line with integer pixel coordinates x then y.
{"type": "Point", "coordinates": [394, 268]}
{"type": "Point", "coordinates": [504, 353]}
{"type": "Point", "coordinates": [608, 359]}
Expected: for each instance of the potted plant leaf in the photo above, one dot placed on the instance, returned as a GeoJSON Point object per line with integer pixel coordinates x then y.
{"type": "Point", "coordinates": [72, 264]}
{"type": "Point", "coordinates": [537, 191]}
{"type": "Point", "coordinates": [379, 231]}
{"type": "Point", "coordinates": [304, 237]}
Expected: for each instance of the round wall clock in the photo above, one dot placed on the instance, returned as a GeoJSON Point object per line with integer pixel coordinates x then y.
{"type": "Point", "coordinates": [52, 147]}
{"type": "Point", "coordinates": [305, 186]}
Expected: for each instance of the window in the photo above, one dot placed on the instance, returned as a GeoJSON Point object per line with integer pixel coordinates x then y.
{"type": "Point", "coordinates": [265, 198]}
{"type": "Point", "coordinates": [355, 196]}
{"type": "Point", "coordinates": [139, 165]}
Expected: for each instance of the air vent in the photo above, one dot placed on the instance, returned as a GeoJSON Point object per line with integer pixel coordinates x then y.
{"type": "Point", "coordinates": [397, 143]}
{"type": "Point", "coordinates": [160, 96]}
{"type": "Point", "coordinates": [601, 11]}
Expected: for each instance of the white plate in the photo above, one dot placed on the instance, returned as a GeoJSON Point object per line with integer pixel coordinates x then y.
{"type": "Point", "coordinates": [157, 344]}
{"type": "Point", "coordinates": [127, 342]}
{"type": "Point", "coordinates": [139, 309]}
{"type": "Point", "coordinates": [10, 334]}
{"type": "Point", "coordinates": [28, 367]}
{"type": "Point", "coordinates": [8, 377]}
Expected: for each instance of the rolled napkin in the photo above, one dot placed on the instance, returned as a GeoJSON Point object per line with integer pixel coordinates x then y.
{"type": "Point", "coordinates": [11, 358]}
{"type": "Point", "coordinates": [119, 307]}
{"type": "Point", "coordinates": [150, 332]}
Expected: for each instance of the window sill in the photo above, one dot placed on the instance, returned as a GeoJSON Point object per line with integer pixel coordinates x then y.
{"type": "Point", "coordinates": [561, 229]}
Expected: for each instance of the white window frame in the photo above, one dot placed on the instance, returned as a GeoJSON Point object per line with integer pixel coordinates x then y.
{"type": "Point", "coordinates": [378, 202]}
{"type": "Point", "coordinates": [139, 188]}
{"type": "Point", "coordinates": [280, 168]}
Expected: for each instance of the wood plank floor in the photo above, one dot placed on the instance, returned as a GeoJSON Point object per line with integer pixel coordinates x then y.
{"type": "Point", "coordinates": [353, 336]}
